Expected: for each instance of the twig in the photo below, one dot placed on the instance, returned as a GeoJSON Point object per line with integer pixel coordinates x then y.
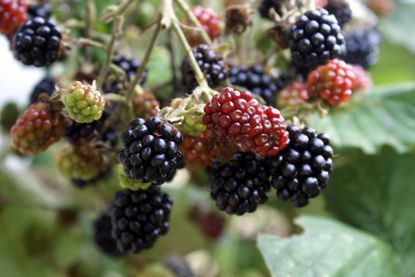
{"type": "Point", "coordinates": [170, 48]}
{"type": "Point", "coordinates": [166, 14]}
{"type": "Point", "coordinates": [116, 30]}
{"type": "Point", "coordinates": [115, 97]}
{"type": "Point", "coordinates": [90, 43]}
{"type": "Point", "coordinates": [186, 8]}
{"type": "Point", "coordinates": [140, 70]}
{"type": "Point", "coordinates": [89, 23]}
{"type": "Point", "coordinates": [119, 11]}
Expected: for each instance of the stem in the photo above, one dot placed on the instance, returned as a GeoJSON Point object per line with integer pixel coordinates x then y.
{"type": "Point", "coordinates": [90, 43]}
{"type": "Point", "coordinates": [89, 23]}
{"type": "Point", "coordinates": [144, 62]}
{"type": "Point", "coordinates": [170, 48]}
{"type": "Point", "coordinates": [121, 9]}
{"type": "Point", "coordinates": [110, 51]}
{"type": "Point", "coordinates": [200, 78]}
{"type": "Point", "coordinates": [186, 8]}
{"type": "Point", "coordinates": [167, 14]}
{"type": "Point", "coordinates": [115, 97]}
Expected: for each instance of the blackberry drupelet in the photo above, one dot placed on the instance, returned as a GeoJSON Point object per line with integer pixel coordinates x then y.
{"type": "Point", "coordinates": [301, 171]}
{"type": "Point", "coordinates": [240, 185]}
{"type": "Point", "coordinates": [363, 47]}
{"type": "Point", "coordinates": [341, 10]}
{"type": "Point", "coordinates": [46, 85]}
{"type": "Point", "coordinates": [255, 80]}
{"type": "Point", "coordinates": [139, 218]}
{"type": "Point", "coordinates": [38, 42]}
{"type": "Point", "coordinates": [130, 67]}
{"type": "Point", "coordinates": [211, 65]}
{"type": "Point", "coordinates": [102, 235]}
{"type": "Point", "coordinates": [314, 39]}
{"type": "Point", "coordinates": [41, 10]}
{"type": "Point", "coordinates": [151, 153]}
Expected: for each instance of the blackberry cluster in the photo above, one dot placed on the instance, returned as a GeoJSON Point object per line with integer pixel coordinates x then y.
{"type": "Point", "coordinates": [102, 235]}
{"type": "Point", "coordinates": [239, 186]}
{"type": "Point", "coordinates": [46, 85]}
{"type": "Point", "coordinates": [256, 81]}
{"type": "Point", "coordinates": [302, 169]}
{"type": "Point", "coordinates": [130, 67]}
{"type": "Point", "coordinates": [362, 47]}
{"type": "Point", "coordinates": [211, 65]}
{"type": "Point", "coordinates": [151, 153]}
{"type": "Point", "coordinates": [41, 10]}
{"type": "Point", "coordinates": [139, 218]}
{"type": "Point", "coordinates": [38, 42]}
{"type": "Point", "coordinates": [314, 39]}
{"type": "Point", "coordinates": [341, 10]}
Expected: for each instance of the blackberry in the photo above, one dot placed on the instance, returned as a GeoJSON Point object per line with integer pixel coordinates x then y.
{"type": "Point", "coordinates": [38, 42]}
{"type": "Point", "coordinates": [362, 47]}
{"type": "Point", "coordinates": [301, 171]}
{"type": "Point", "coordinates": [341, 10]}
{"type": "Point", "coordinates": [211, 65]}
{"type": "Point", "coordinates": [102, 235]}
{"type": "Point", "coordinates": [283, 80]}
{"type": "Point", "coordinates": [139, 218]}
{"type": "Point", "coordinates": [151, 153]}
{"type": "Point", "coordinates": [314, 39]}
{"type": "Point", "coordinates": [267, 5]}
{"type": "Point", "coordinates": [240, 185]}
{"type": "Point", "coordinates": [46, 85]}
{"type": "Point", "coordinates": [130, 67]}
{"type": "Point", "coordinates": [255, 80]}
{"type": "Point", "coordinates": [41, 10]}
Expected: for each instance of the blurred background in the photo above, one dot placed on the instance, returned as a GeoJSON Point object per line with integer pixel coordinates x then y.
{"type": "Point", "coordinates": [47, 225]}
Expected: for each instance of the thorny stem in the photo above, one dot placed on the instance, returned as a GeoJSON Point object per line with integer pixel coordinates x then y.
{"type": "Point", "coordinates": [116, 30]}
{"type": "Point", "coordinates": [186, 8]}
{"type": "Point", "coordinates": [144, 62]}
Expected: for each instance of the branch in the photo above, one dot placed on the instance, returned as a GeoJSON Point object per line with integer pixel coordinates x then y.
{"type": "Point", "coordinates": [116, 11]}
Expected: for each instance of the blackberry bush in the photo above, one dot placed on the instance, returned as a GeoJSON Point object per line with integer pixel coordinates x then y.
{"type": "Point", "coordinates": [38, 42]}
{"type": "Point", "coordinates": [151, 151]}
{"type": "Point", "coordinates": [240, 185]}
{"type": "Point", "coordinates": [302, 170]}
{"type": "Point", "coordinates": [139, 218]}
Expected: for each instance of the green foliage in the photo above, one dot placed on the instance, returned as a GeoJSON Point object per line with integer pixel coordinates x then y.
{"type": "Point", "coordinates": [327, 248]}
{"type": "Point", "coordinates": [376, 193]}
{"type": "Point", "coordinates": [384, 116]}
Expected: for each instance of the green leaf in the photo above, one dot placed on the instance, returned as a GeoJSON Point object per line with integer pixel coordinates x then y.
{"type": "Point", "coordinates": [373, 119]}
{"type": "Point", "coordinates": [376, 193]}
{"type": "Point", "coordinates": [399, 26]}
{"type": "Point", "coordinates": [327, 248]}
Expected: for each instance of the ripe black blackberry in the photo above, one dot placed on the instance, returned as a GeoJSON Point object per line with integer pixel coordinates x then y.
{"type": "Point", "coordinates": [151, 153]}
{"type": "Point", "coordinates": [363, 47]}
{"type": "Point", "coordinates": [41, 10]}
{"type": "Point", "coordinates": [130, 67]}
{"type": "Point", "coordinates": [240, 185]}
{"type": "Point", "coordinates": [341, 10]}
{"type": "Point", "coordinates": [255, 80]}
{"type": "Point", "coordinates": [211, 65]}
{"type": "Point", "coordinates": [139, 218]}
{"type": "Point", "coordinates": [46, 85]}
{"type": "Point", "coordinates": [314, 39]}
{"type": "Point", "coordinates": [102, 235]}
{"type": "Point", "coordinates": [301, 171]}
{"type": "Point", "coordinates": [38, 42]}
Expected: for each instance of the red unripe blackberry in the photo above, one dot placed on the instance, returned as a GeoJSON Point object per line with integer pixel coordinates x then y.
{"type": "Point", "coordinates": [12, 15]}
{"type": "Point", "coordinates": [151, 151]}
{"type": "Point", "coordinates": [139, 218]}
{"type": "Point", "coordinates": [210, 63]}
{"type": "Point", "coordinates": [314, 39]}
{"type": "Point", "coordinates": [363, 80]}
{"type": "Point", "coordinates": [209, 222]}
{"type": "Point", "coordinates": [197, 151]}
{"type": "Point", "coordinates": [38, 42]}
{"type": "Point", "coordinates": [237, 117]}
{"type": "Point", "coordinates": [295, 93]}
{"type": "Point", "coordinates": [240, 185]}
{"type": "Point", "coordinates": [37, 129]}
{"type": "Point", "coordinates": [333, 82]}
{"type": "Point", "coordinates": [301, 171]}
{"type": "Point", "coordinates": [210, 22]}
{"type": "Point", "coordinates": [102, 235]}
